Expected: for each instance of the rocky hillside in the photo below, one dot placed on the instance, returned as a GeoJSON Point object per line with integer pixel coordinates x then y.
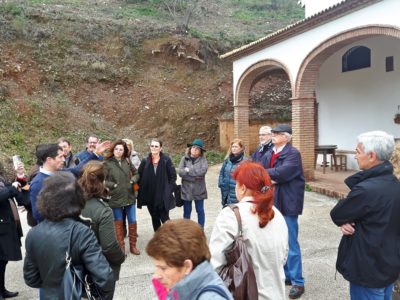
{"type": "Point", "coordinates": [122, 69]}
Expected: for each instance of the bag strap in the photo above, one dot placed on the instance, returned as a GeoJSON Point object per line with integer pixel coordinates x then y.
{"type": "Point", "coordinates": [68, 258]}
{"type": "Point", "coordinates": [238, 218]}
{"type": "Point", "coordinates": [213, 288]}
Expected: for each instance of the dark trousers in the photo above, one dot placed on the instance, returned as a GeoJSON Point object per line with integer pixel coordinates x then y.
{"type": "Point", "coordinates": [158, 216]}
{"type": "Point", "coordinates": [3, 264]}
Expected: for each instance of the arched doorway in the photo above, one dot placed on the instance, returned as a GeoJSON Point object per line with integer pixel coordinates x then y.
{"type": "Point", "coordinates": [304, 113]}
{"type": "Point", "coordinates": [248, 80]}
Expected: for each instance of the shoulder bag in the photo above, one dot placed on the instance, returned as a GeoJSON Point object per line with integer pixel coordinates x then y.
{"type": "Point", "coordinates": [76, 283]}
{"type": "Point", "coordinates": [177, 195]}
{"type": "Point", "coordinates": [238, 273]}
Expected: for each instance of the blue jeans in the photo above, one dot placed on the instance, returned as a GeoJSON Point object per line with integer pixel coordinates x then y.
{"type": "Point", "coordinates": [358, 292]}
{"type": "Point", "coordinates": [187, 210]}
{"type": "Point", "coordinates": [293, 267]}
{"type": "Point", "coordinates": [130, 211]}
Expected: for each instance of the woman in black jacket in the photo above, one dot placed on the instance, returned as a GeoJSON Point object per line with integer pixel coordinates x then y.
{"type": "Point", "coordinates": [157, 179]}
{"type": "Point", "coordinates": [60, 203]}
{"type": "Point", "coordinates": [10, 232]}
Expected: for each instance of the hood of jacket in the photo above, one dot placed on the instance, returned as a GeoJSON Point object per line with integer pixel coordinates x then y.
{"type": "Point", "coordinates": [191, 285]}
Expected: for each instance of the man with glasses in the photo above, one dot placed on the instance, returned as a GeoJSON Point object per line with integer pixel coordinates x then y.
{"type": "Point", "coordinates": [283, 164]}
{"type": "Point", "coordinates": [91, 144]}
{"type": "Point", "coordinates": [265, 143]}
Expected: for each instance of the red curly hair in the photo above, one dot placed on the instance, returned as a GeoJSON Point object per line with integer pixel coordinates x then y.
{"type": "Point", "coordinates": [255, 178]}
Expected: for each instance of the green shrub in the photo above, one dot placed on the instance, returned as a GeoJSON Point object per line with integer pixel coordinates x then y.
{"type": "Point", "coordinates": [11, 9]}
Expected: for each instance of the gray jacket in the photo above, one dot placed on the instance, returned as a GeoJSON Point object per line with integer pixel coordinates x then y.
{"type": "Point", "coordinates": [190, 287]}
{"type": "Point", "coordinates": [193, 182]}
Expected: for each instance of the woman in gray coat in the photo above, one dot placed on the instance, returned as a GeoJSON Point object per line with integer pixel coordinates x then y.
{"type": "Point", "coordinates": [192, 169]}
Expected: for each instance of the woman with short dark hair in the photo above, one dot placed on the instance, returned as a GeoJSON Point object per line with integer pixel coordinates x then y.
{"type": "Point", "coordinates": [181, 256]}
{"type": "Point", "coordinates": [157, 179]}
{"type": "Point", "coordinates": [60, 203]}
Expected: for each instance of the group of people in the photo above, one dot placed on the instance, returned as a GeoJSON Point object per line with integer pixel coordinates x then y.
{"type": "Point", "coordinates": [86, 209]}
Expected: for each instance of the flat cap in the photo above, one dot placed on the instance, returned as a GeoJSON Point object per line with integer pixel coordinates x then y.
{"type": "Point", "coordinates": [282, 128]}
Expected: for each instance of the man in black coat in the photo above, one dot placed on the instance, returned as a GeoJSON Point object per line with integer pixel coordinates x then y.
{"type": "Point", "coordinates": [369, 252]}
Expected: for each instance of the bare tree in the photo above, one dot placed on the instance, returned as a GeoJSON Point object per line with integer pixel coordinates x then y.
{"type": "Point", "coordinates": [181, 11]}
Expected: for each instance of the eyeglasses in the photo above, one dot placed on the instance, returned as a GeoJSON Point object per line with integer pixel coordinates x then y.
{"type": "Point", "coordinates": [154, 146]}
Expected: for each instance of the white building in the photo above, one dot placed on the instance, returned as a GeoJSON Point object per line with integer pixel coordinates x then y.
{"type": "Point", "coordinates": [343, 67]}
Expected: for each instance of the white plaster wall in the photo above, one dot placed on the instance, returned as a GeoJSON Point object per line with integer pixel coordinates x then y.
{"type": "Point", "coordinates": [354, 102]}
{"type": "Point", "coordinates": [293, 51]}
{"type": "Point", "coordinates": [314, 6]}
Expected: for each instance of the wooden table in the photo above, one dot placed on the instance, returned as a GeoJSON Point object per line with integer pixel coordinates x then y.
{"type": "Point", "coordinates": [325, 150]}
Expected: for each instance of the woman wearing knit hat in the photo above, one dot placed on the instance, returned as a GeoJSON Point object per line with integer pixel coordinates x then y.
{"type": "Point", "coordinates": [192, 169]}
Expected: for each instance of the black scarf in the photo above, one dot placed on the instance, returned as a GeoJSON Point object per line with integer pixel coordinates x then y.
{"type": "Point", "coordinates": [236, 158]}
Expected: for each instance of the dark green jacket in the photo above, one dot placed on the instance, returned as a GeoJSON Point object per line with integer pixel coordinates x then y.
{"type": "Point", "coordinates": [102, 223]}
{"type": "Point", "coordinates": [118, 181]}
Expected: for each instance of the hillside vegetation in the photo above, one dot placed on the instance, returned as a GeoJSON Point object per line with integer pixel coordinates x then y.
{"type": "Point", "coordinates": [122, 68]}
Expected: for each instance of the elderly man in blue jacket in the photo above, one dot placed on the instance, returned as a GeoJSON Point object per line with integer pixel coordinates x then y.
{"type": "Point", "coordinates": [283, 164]}
{"type": "Point", "coordinates": [369, 219]}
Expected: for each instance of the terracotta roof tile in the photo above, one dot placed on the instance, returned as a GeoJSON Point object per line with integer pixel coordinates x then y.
{"type": "Point", "coordinates": [340, 9]}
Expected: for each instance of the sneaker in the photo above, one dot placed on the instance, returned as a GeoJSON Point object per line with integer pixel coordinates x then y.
{"type": "Point", "coordinates": [296, 291]}
{"type": "Point", "coordinates": [288, 282]}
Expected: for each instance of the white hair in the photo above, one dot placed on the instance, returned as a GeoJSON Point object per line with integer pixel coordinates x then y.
{"type": "Point", "coordinates": [288, 136]}
{"type": "Point", "coordinates": [265, 129]}
{"type": "Point", "coordinates": [379, 142]}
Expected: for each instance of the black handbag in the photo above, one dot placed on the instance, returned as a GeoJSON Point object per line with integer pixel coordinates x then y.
{"type": "Point", "coordinates": [238, 273]}
{"type": "Point", "coordinates": [177, 195]}
{"type": "Point", "coordinates": [76, 283]}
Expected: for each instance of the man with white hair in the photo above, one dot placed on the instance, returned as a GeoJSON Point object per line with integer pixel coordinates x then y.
{"type": "Point", "coordinates": [369, 252]}
{"type": "Point", "coordinates": [264, 136]}
{"type": "Point", "coordinates": [283, 164]}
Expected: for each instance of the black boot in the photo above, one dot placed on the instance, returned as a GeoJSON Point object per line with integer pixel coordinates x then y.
{"type": "Point", "coordinates": [8, 294]}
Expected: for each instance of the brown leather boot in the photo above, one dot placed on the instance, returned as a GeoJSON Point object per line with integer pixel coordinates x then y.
{"type": "Point", "coordinates": [133, 239]}
{"type": "Point", "coordinates": [119, 232]}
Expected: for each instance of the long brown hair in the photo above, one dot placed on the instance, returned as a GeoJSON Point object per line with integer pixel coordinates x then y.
{"type": "Point", "coordinates": [92, 180]}
{"type": "Point", "coordinates": [110, 152]}
{"type": "Point", "coordinates": [255, 178]}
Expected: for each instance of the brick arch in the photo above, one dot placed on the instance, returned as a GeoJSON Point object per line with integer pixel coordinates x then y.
{"type": "Point", "coordinates": [250, 77]}
{"type": "Point", "coordinates": [309, 70]}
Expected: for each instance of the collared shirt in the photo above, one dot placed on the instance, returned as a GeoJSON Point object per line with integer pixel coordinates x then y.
{"type": "Point", "coordinates": [279, 149]}
{"type": "Point", "coordinates": [44, 171]}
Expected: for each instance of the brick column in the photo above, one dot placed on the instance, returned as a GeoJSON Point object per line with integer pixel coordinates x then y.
{"type": "Point", "coordinates": [303, 125]}
{"type": "Point", "coordinates": [241, 124]}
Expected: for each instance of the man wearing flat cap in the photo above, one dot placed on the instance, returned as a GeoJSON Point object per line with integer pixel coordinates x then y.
{"type": "Point", "coordinates": [283, 164]}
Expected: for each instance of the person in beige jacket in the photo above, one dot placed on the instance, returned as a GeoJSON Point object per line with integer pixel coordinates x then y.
{"type": "Point", "coordinates": [264, 230]}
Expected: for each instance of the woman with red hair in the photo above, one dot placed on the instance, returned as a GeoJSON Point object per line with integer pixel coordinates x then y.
{"type": "Point", "coordinates": [264, 230]}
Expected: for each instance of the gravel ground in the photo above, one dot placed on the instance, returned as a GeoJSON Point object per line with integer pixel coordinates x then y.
{"type": "Point", "coordinates": [319, 239]}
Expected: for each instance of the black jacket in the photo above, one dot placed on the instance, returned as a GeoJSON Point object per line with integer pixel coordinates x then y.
{"type": "Point", "coordinates": [10, 234]}
{"type": "Point", "coordinates": [371, 256]}
{"type": "Point", "coordinates": [44, 264]}
{"type": "Point", "coordinates": [156, 188]}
